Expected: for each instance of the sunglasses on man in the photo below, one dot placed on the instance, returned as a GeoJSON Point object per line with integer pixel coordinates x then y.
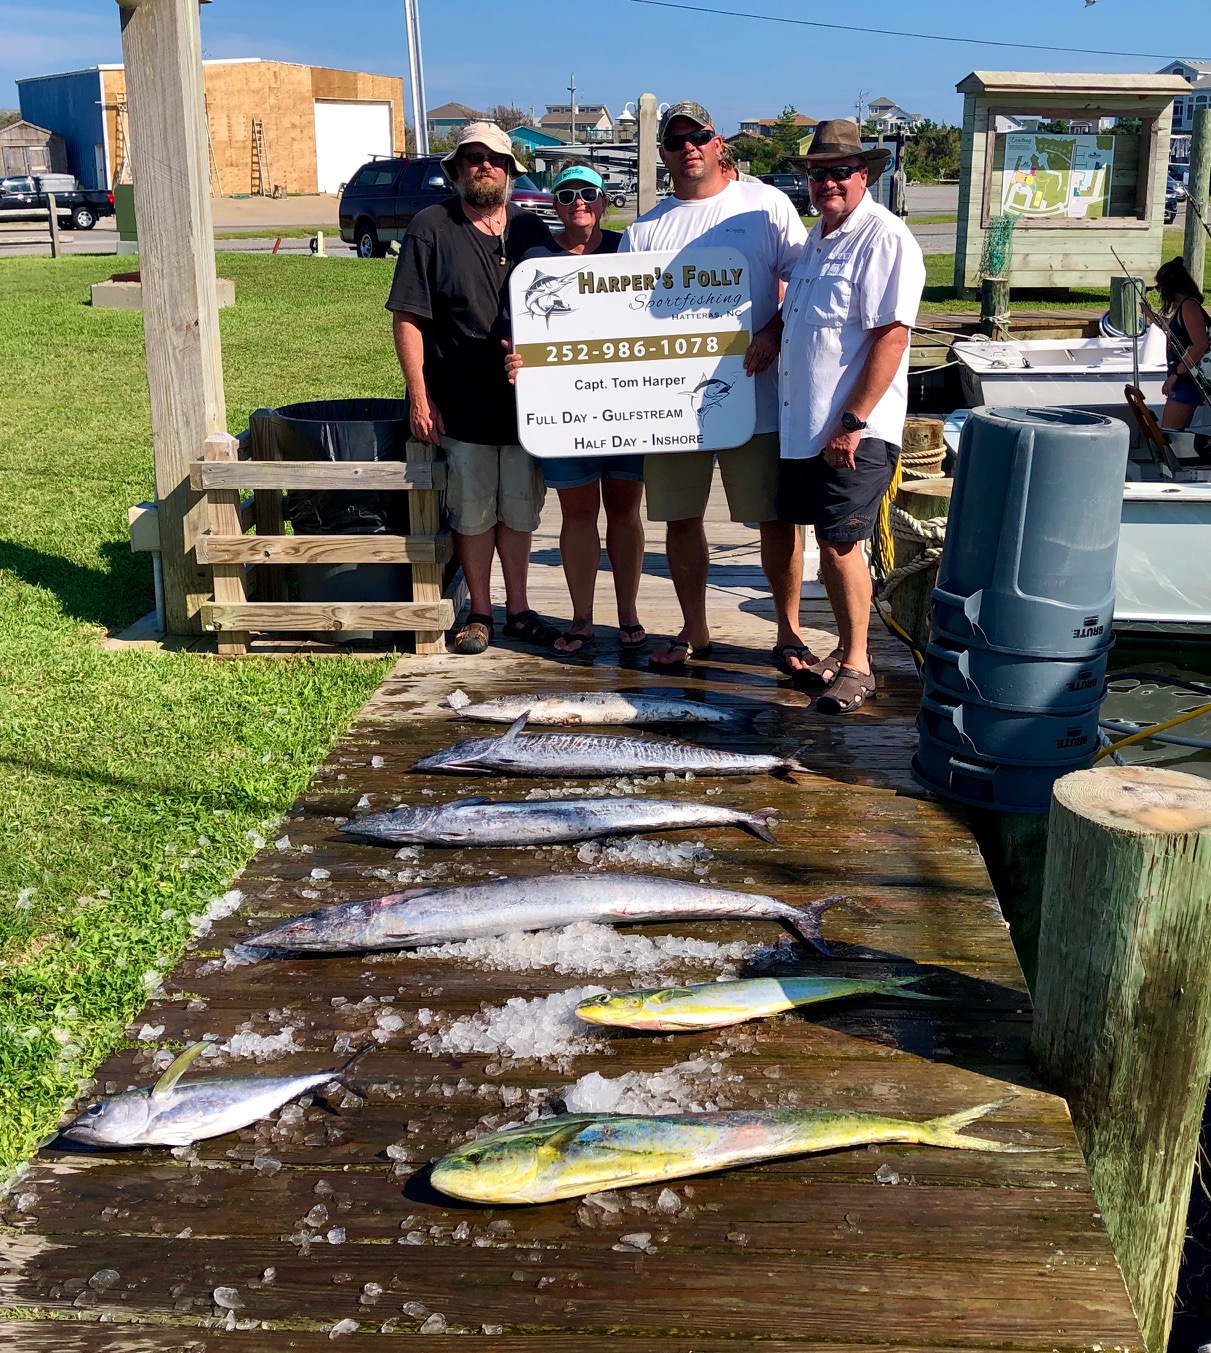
{"type": "Point", "coordinates": [475, 158]}
{"type": "Point", "coordinates": [839, 173]}
{"type": "Point", "coordinates": [566, 196]}
{"type": "Point", "coordinates": [675, 141]}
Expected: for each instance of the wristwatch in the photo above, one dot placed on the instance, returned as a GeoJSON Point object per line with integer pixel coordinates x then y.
{"type": "Point", "coordinates": [851, 422]}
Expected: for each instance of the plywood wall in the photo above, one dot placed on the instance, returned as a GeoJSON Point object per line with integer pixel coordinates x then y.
{"type": "Point", "coordinates": [282, 95]}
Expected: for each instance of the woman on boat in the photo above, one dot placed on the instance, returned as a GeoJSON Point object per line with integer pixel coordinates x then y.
{"type": "Point", "coordinates": [584, 483]}
{"type": "Point", "coordinates": [1186, 323]}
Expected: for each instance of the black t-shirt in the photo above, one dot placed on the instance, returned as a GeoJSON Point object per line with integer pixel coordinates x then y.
{"type": "Point", "coordinates": [610, 240]}
{"type": "Point", "coordinates": [453, 278]}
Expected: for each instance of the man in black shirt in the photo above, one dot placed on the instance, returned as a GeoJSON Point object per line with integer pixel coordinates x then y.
{"type": "Point", "coordinates": [447, 299]}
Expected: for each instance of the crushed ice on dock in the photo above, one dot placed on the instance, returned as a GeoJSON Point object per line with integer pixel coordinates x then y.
{"type": "Point", "coordinates": [544, 1029]}
{"type": "Point", "coordinates": [699, 1085]}
{"type": "Point", "coordinates": [627, 850]}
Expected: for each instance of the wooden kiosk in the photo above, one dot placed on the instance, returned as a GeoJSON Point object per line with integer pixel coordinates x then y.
{"type": "Point", "coordinates": [1077, 194]}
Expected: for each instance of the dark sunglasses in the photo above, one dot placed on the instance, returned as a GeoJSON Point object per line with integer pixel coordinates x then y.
{"type": "Point", "coordinates": [837, 172]}
{"type": "Point", "coordinates": [566, 196]}
{"type": "Point", "coordinates": [475, 158]}
{"type": "Point", "coordinates": [675, 141]}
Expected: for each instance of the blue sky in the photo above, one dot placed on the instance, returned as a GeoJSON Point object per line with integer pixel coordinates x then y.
{"type": "Point", "coordinates": [483, 52]}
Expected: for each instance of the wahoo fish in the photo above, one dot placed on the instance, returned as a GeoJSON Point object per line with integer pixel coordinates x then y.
{"type": "Point", "coordinates": [512, 822]}
{"type": "Point", "coordinates": [543, 298]}
{"type": "Point", "coordinates": [422, 916]}
{"type": "Point", "coordinates": [574, 1154]}
{"type": "Point", "coordinates": [567, 708]}
{"type": "Point", "coordinates": [596, 754]}
{"type": "Point", "coordinates": [715, 1005]}
{"type": "Point", "coordinates": [170, 1114]}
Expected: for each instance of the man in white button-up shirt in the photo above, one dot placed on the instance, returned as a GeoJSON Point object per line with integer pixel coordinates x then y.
{"type": "Point", "coordinates": [843, 393]}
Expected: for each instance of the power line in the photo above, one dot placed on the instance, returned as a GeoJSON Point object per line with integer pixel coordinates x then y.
{"type": "Point", "coordinates": [898, 33]}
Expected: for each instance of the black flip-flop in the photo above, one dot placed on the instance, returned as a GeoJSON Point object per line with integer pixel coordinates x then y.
{"type": "Point", "coordinates": [688, 654]}
{"type": "Point", "coordinates": [530, 628]}
{"type": "Point", "coordinates": [583, 643]}
{"type": "Point", "coordinates": [632, 637]}
{"type": "Point", "coordinates": [784, 652]}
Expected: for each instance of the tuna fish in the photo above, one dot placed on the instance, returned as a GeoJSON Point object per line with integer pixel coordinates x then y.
{"type": "Point", "coordinates": [574, 1154]}
{"type": "Point", "coordinates": [593, 754]}
{"type": "Point", "coordinates": [170, 1114]}
{"type": "Point", "coordinates": [566, 709]}
{"type": "Point", "coordinates": [482, 822]}
{"type": "Point", "coordinates": [714, 1005]}
{"type": "Point", "coordinates": [422, 916]}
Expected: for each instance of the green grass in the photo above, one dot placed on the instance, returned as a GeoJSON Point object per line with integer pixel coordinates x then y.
{"type": "Point", "coordinates": [131, 781]}
{"type": "Point", "coordinates": [940, 218]}
{"type": "Point", "coordinates": [285, 233]}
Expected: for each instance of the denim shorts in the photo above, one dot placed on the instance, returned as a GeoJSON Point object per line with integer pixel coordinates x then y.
{"type": "Point", "coordinates": [1185, 391]}
{"type": "Point", "coordinates": [574, 472]}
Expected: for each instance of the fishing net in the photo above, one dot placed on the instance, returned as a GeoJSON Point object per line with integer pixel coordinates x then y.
{"type": "Point", "coordinates": [996, 259]}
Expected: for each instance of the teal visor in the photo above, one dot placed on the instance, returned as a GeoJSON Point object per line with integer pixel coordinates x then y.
{"type": "Point", "coordinates": [578, 173]}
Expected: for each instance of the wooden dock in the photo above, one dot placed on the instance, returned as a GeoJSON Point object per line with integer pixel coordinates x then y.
{"type": "Point", "coordinates": [325, 1216]}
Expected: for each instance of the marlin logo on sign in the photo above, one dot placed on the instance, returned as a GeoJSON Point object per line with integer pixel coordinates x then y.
{"type": "Point", "coordinates": [543, 298]}
{"type": "Point", "coordinates": [708, 394]}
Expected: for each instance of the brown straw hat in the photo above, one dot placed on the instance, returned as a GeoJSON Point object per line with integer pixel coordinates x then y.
{"type": "Point", "coordinates": [839, 137]}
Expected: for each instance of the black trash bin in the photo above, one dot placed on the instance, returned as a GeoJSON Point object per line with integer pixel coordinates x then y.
{"type": "Point", "coordinates": [341, 430]}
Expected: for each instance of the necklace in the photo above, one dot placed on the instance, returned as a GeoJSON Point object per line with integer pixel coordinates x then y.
{"type": "Point", "coordinates": [483, 225]}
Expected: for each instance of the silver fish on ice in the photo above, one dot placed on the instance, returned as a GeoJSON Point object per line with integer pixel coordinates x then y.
{"type": "Point", "coordinates": [513, 822]}
{"type": "Point", "coordinates": [423, 916]}
{"type": "Point", "coordinates": [598, 708]}
{"type": "Point", "coordinates": [595, 755]}
{"type": "Point", "coordinates": [171, 1114]}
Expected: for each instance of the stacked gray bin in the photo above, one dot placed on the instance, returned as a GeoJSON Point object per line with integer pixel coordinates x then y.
{"type": "Point", "coordinates": [1021, 621]}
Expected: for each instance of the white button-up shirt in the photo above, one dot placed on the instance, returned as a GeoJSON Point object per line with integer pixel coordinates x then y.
{"type": "Point", "coordinates": [867, 273]}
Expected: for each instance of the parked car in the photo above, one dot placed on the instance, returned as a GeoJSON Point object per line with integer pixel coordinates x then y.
{"type": "Point", "coordinates": [24, 196]}
{"type": "Point", "coordinates": [383, 196]}
{"type": "Point", "coordinates": [1174, 192]}
{"type": "Point", "coordinates": [795, 187]}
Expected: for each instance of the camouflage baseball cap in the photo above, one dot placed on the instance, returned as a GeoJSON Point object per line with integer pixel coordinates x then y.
{"type": "Point", "coordinates": [695, 112]}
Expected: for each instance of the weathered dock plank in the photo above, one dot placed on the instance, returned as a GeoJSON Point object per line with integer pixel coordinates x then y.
{"type": "Point", "coordinates": [313, 1221]}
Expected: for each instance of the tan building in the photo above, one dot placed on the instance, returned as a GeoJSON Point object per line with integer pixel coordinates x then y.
{"type": "Point", "coordinates": [272, 124]}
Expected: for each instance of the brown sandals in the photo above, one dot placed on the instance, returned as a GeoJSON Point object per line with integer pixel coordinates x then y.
{"type": "Point", "coordinates": [849, 690]}
{"type": "Point", "coordinates": [475, 635]}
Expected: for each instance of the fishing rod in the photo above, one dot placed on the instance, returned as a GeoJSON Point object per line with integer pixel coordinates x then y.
{"type": "Point", "coordinates": [1202, 220]}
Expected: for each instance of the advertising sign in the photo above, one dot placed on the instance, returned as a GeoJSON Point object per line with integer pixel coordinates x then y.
{"type": "Point", "coordinates": [628, 354]}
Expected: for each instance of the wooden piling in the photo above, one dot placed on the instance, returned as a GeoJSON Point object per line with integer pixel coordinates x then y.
{"type": "Point", "coordinates": [1123, 1006]}
{"type": "Point", "coordinates": [994, 308]}
{"type": "Point", "coordinates": [1194, 251]}
{"type": "Point", "coordinates": [923, 500]}
{"type": "Point", "coordinates": [647, 129]}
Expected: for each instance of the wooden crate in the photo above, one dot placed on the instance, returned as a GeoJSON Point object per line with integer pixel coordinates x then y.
{"type": "Point", "coordinates": [219, 542]}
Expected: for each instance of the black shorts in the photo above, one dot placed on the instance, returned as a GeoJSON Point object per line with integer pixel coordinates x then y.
{"type": "Point", "coordinates": [842, 505]}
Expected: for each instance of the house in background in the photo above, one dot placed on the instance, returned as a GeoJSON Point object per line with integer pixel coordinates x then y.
{"type": "Point", "coordinates": [593, 122]}
{"type": "Point", "coordinates": [534, 139]}
{"type": "Point", "coordinates": [764, 126]}
{"type": "Point", "coordinates": [449, 119]}
{"type": "Point", "coordinates": [1197, 75]}
{"type": "Point", "coordinates": [886, 116]}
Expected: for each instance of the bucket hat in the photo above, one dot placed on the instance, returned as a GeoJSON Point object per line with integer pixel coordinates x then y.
{"type": "Point", "coordinates": [838, 137]}
{"type": "Point", "coordinates": [486, 134]}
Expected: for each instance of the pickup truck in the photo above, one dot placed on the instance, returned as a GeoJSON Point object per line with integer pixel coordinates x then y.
{"type": "Point", "coordinates": [384, 195]}
{"type": "Point", "coordinates": [23, 196]}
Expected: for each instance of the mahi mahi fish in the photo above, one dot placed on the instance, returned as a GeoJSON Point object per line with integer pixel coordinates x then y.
{"type": "Point", "coordinates": [596, 754]}
{"type": "Point", "coordinates": [171, 1114]}
{"type": "Point", "coordinates": [714, 1005]}
{"type": "Point", "coordinates": [568, 708]}
{"type": "Point", "coordinates": [422, 916]}
{"type": "Point", "coordinates": [522, 822]}
{"type": "Point", "coordinates": [574, 1154]}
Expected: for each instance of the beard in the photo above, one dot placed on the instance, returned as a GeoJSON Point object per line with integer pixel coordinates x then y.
{"type": "Point", "coordinates": [483, 190]}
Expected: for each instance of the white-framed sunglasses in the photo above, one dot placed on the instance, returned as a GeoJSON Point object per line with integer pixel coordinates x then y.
{"type": "Point", "coordinates": [566, 196]}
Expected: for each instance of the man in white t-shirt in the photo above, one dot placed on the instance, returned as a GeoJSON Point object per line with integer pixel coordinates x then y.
{"type": "Point", "coordinates": [710, 210]}
{"type": "Point", "coordinates": [849, 308]}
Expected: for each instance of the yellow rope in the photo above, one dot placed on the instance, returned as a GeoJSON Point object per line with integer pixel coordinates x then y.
{"type": "Point", "coordinates": [884, 543]}
{"type": "Point", "coordinates": [1152, 729]}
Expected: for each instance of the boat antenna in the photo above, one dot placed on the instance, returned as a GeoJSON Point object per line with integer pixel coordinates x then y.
{"type": "Point", "coordinates": [1201, 383]}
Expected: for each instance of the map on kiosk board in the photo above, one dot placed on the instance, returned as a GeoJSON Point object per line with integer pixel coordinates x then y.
{"type": "Point", "coordinates": [1051, 174]}
{"type": "Point", "coordinates": [633, 354]}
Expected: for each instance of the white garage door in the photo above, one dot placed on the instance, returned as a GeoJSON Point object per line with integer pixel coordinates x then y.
{"type": "Point", "coordinates": [346, 136]}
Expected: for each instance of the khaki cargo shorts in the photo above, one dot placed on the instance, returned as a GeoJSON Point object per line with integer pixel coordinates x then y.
{"type": "Point", "coordinates": [487, 484]}
{"type": "Point", "coordinates": [679, 483]}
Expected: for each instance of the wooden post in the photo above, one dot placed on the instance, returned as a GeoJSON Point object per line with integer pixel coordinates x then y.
{"type": "Point", "coordinates": [994, 308]}
{"type": "Point", "coordinates": [424, 519]}
{"type": "Point", "coordinates": [267, 506]}
{"type": "Point", "coordinates": [162, 53]}
{"type": "Point", "coordinates": [223, 519]}
{"type": "Point", "coordinates": [648, 123]}
{"type": "Point", "coordinates": [53, 209]}
{"type": "Point", "coordinates": [1122, 1022]}
{"type": "Point", "coordinates": [1124, 304]}
{"type": "Point", "coordinates": [910, 599]}
{"type": "Point", "coordinates": [1194, 251]}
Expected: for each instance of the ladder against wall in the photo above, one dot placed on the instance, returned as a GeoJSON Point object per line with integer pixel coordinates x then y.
{"type": "Point", "coordinates": [262, 184]}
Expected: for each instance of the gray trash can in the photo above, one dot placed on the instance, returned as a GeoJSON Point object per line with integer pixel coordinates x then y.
{"type": "Point", "coordinates": [1012, 681]}
{"type": "Point", "coordinates": [981, 782]}
{"type": "Point", "coordinates": [1028, 564]}
{"type": "Point", "coordinates": [1009, 737]}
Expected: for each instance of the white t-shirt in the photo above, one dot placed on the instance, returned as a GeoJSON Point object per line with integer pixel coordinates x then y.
{"type": "Point", "coordinates": [869, 272]}
{"type": "Point", "coordinates": [758, 220]}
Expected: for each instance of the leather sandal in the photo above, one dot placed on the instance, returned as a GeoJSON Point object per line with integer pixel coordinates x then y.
{"type": "Point", "coordinates": [530, 628]}
{"type": "Point", "coordinates": [850, 690]}
{"type": "Point", "coordinates": [824, 671]}
{"type": "Point", "coordinates": [475, 635]}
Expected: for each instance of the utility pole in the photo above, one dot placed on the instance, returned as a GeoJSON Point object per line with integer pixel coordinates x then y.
{"type": "Point", "coordinates": [572, 92]}
{"type": "Point", "coordinates": [416, 76]}
{"type": "Point", "coordinates": [860, 105]}
{"type": "Point", "coordinates": [1195, 250]}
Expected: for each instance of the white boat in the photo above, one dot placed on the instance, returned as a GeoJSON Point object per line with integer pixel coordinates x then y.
{"type": "Point", "coordinates": [1077, 372]}
{"type": "Point", "coordinates": [1163, 575]}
